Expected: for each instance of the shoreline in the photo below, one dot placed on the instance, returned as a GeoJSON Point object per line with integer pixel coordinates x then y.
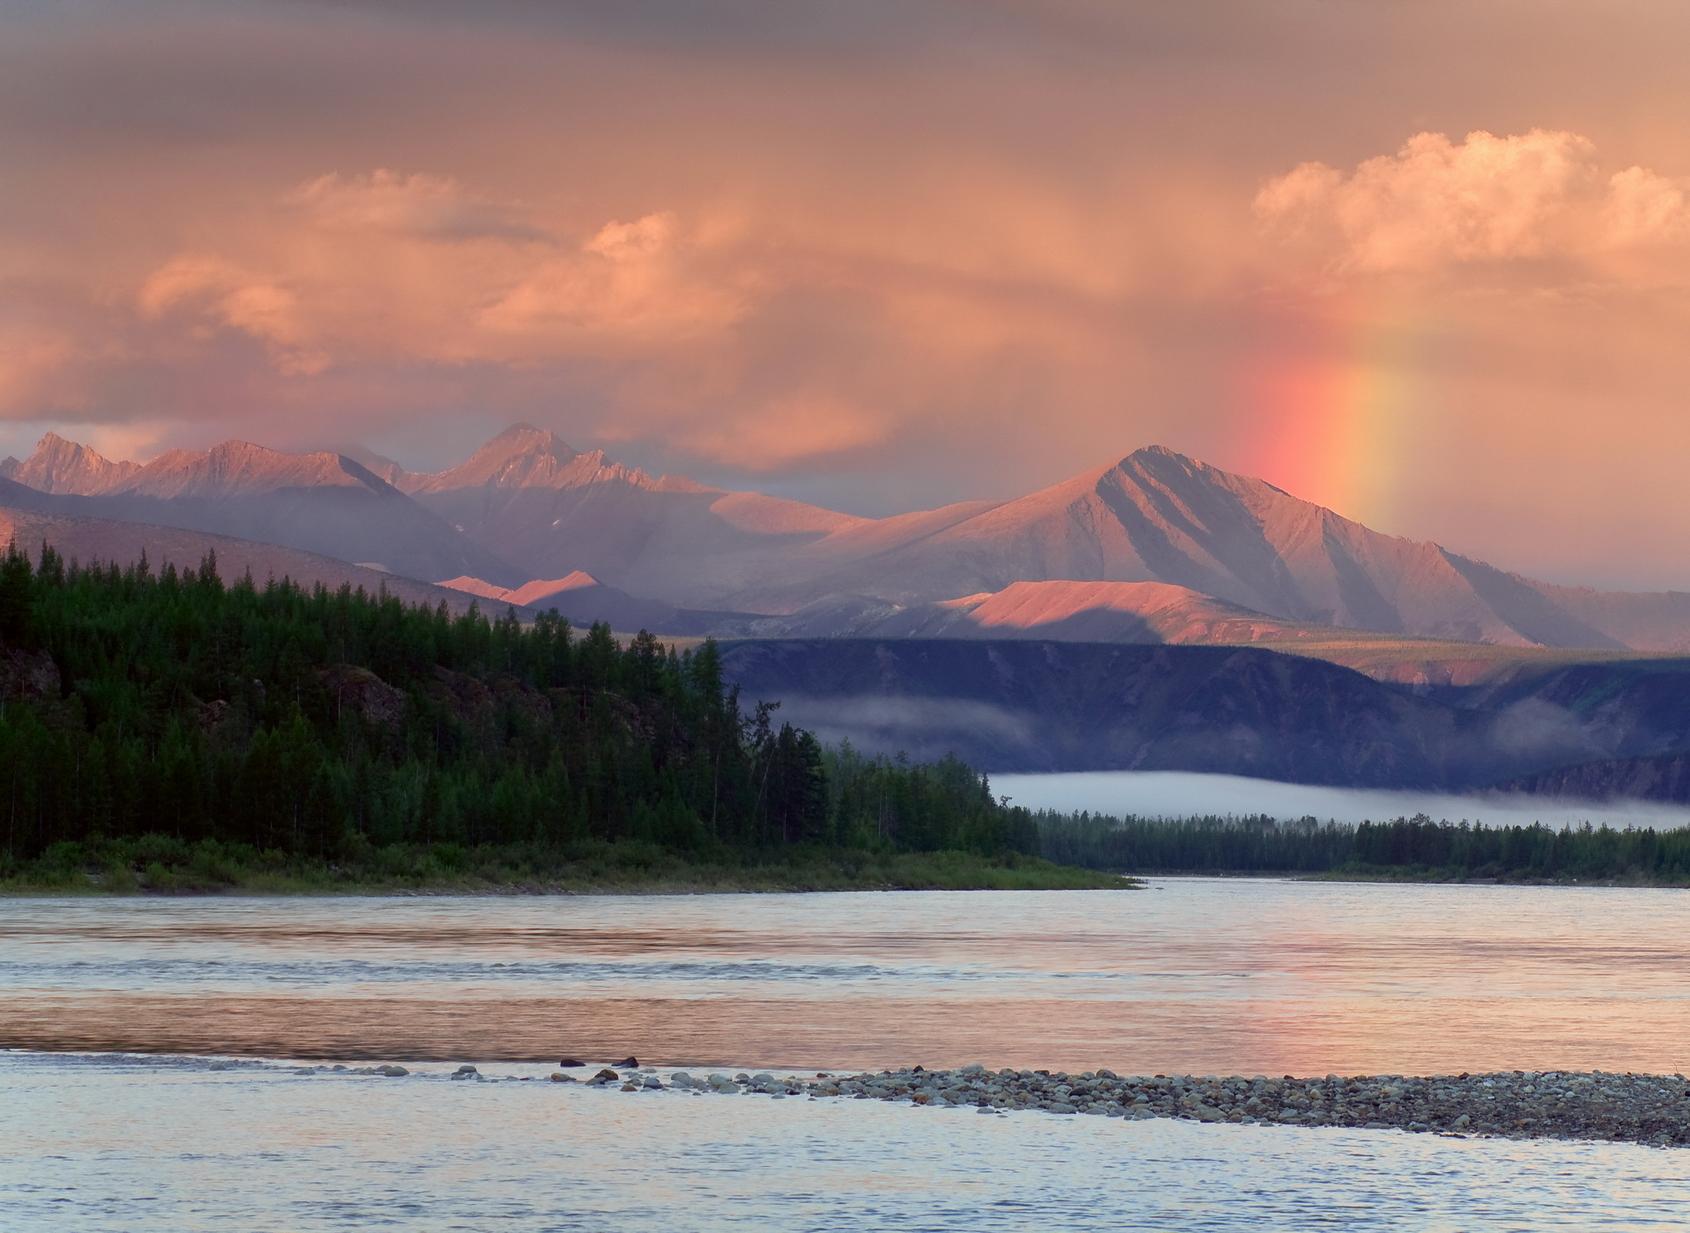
{"type": "Point", "coordinates": [208, 871]}
{"type": "Point", "coordinates": [1596, 1106]}
{"type": "Point", "coordinates": [654, 890]}
{"type": "Point", "coordinates": [562, 889]}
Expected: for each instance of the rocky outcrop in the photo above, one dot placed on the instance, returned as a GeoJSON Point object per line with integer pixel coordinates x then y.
{"type": "Point", "coordinates": [365, 694]}
{"type": "Point", "coordinates": [28, 675]}
{"type": "Point", "coordinates": [1662, 778]}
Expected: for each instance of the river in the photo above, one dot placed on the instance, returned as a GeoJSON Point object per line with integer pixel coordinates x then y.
{"type": "Point", "coordinates": [116, 1113]}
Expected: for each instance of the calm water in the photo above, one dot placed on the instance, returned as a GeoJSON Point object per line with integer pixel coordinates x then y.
{"type": "Point", "coordinates": [1190, 975]}
{"type": "Point", "coordinates": [1201, 975]}
{"type": "Point", "coordinates": [1178, 794]}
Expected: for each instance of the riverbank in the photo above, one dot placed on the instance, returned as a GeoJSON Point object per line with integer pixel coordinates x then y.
{"type": "Point", "coordinates": [159, 865]}
{"type": "Point", "coordinates": [1459, 877]}
{"type": "Point", "coordinates": [1648, 1109]}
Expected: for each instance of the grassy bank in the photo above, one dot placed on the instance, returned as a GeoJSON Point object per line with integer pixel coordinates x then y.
{"type": "Point", "coordinates": [157, 864]}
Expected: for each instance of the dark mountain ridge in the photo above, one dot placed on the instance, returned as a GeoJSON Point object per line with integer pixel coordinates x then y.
{"type": "Point", "coordinates": [1060, 706]}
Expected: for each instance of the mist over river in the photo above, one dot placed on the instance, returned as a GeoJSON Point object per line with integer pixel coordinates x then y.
{"type": "Point", "coordinates": [115, 1111]}
{"type": "Point", "coordinates": [1179, 794]}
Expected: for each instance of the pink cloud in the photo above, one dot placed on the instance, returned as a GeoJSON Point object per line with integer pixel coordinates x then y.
{"type": "Point", "coordinates": [438, 207]}
{"type": "Point", "coordinates": [639, 281]}
{"type": "Point", "coordinates": [214, 289]}
{"type": "Point", "coordinates": [1644, 207]}
{"type": "Point", "coordinates": [1437, 204]}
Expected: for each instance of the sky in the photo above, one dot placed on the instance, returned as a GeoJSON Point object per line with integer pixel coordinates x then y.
{"type": "Point", "coordinates": [1427, 263]}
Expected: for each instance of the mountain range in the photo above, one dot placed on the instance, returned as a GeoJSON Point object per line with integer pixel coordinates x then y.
{"type": "Point", "coordinates": [1237, 559]}
{"type": "Point", "coordinates": [320, 502]}
{"type": "Point", "coordinates": [99, 539]}
{"type": "Point", "coordinates": [1155, 549]}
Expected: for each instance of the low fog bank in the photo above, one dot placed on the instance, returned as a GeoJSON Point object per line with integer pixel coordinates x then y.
{"type": "Point", "coordinates": [1178, 794]}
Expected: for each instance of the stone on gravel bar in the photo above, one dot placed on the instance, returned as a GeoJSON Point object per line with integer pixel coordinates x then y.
{"type": "Point", "coordinates": [1650, 1109]}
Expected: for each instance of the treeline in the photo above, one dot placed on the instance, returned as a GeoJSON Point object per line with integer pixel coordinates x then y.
{"type": "Point", "coordinates": [135, 702]}
{"type": "Point", "coordinates": [1416, 846]}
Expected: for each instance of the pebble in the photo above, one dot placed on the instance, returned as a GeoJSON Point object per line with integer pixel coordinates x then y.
{"type": "Point", "coordinates": [1650, 1109]}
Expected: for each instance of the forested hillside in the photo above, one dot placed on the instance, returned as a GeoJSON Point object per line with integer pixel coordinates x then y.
{"type": "Point", "coordinates": [136, 703]}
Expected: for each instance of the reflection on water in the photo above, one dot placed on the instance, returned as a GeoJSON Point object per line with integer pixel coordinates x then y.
{"type": "Point", "coordinates": [1191, 975]}
{"type": "Point", "coordinates": [173, 1146]}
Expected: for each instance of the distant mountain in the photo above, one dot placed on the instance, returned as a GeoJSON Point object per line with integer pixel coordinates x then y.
{"type": "Point", "coordinates": [240, 468]}
{"type": "Point", "coordinates": [1051, 706]}
{"type": "Point", "coordinates": [1060, 706]}
{"type": "Point", "coordinates": [100, 539]}
{"type": "Point", "coordinates": [1239, 559]}
{"type": "Point", "coordinates": [1158, 516]}
{"type": "Point", "coordinates": [1148, 612]}
{"type": "Point", "coordinates": [318, 502]}
{"type": "Point", "coordinates": [60, 466]}
{"type": "Point", "coordinates": [584, 600]}
{"type": "Point", "coordinates": [529, 497]}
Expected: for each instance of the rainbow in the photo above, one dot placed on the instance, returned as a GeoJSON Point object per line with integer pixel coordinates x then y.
{"type": "Point", "coordinates": [1329, 405]}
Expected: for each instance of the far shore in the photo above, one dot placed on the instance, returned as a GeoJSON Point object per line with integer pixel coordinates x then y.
{"type": "Point", "coordinates": [1414, 877]}
{"type": "Point", "coordinates": [602, 870]}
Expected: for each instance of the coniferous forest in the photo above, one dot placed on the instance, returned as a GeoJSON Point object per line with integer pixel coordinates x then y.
{"type": "Point", "coordinates": [1416, 848]}
{"type": "Point", "coordinates": [173, 713]}
{"type": "Point", "coordinates": [166, 721]}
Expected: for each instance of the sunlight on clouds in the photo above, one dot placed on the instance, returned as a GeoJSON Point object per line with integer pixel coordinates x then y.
{"type": "Point", "coordinates": [1437, 203]}
{"type": "Point", "coordinates": [228, 294]}
{"type": "Point", "coordinates": [1644, 207]}
{"type": "Point", "coordinates": [634, 281]}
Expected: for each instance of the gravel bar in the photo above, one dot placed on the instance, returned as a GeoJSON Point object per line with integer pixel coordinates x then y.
{"type": "Point", "coordinates": [1648, 1109]}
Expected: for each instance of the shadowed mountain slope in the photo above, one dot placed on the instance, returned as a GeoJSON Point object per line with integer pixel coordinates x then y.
{"type": "Point", "coordinates": [1150, 612]}
{"type": "Point", "coordinates": [317, 502]}
{"type": "Point", "coordinates": [1054, 706]}
{"type": "Point", "coordinates": [100, 539]}
{"type": "Point", "coordinates": [1047, 706]}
